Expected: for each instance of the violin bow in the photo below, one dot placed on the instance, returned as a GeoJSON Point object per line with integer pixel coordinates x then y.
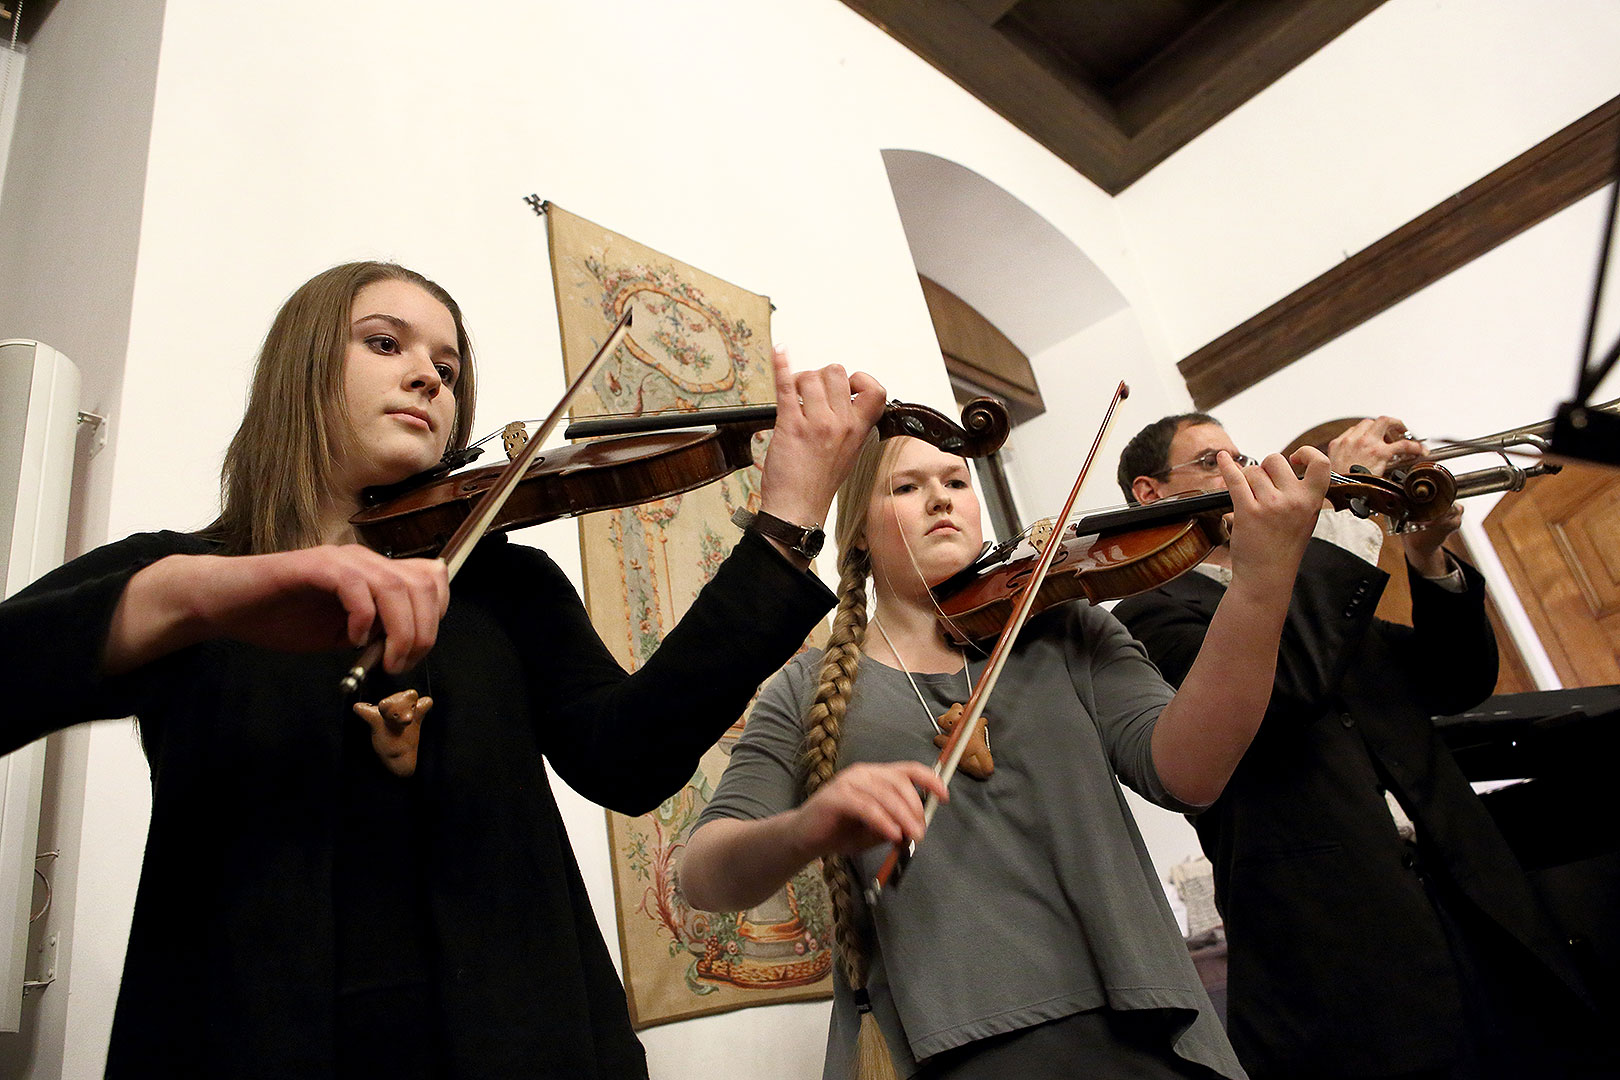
{"type": "Point", "coordinates": [477, 522]}
{"type": "Point", "coordinates": [973, 712]}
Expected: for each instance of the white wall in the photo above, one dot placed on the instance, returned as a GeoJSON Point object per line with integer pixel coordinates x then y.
{"type": "Point", "coordinates": [1406, 108]}
{"type": "Point", "coordinates": [70, 212]}
{"type": "Point", "coordinates": [741, 137]}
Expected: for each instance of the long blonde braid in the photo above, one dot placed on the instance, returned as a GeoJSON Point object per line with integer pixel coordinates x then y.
{"type": "Point", "coordinates": [823, 728]}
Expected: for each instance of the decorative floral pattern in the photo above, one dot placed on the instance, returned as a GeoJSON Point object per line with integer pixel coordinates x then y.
{"type": "Point", "coordinates": [689, 348]}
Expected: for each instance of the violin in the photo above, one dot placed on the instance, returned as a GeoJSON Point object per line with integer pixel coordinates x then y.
{"type": "Point", "coordinates": [418, 516]}
{"type": "Point", "coordinates": [1118, 553]}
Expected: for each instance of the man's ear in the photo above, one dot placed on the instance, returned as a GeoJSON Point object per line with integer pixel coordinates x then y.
{"type": "Point", "coordinates": [1146, 489]}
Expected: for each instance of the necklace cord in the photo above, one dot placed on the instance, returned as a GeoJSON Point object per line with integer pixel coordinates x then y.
{"type": "Point", "coordinates": [915, 689]}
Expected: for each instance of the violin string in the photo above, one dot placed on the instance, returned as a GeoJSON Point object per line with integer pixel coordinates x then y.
{"type": "Point", "coordinates": [699, 411]}
{"type": "Point", "coordinates": [496, 433]}
{"type": "Point", "coordinates": [619, 415]}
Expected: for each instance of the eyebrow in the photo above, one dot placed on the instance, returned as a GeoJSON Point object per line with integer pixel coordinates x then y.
{"type": "Point", "coordinates": [400, 324]}
{"type": "Point", "coordinates": [916, 474]}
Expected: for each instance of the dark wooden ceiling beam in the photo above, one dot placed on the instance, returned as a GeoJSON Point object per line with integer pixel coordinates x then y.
{"type": "Point", "coordinates": [989, 11]}
{"type": "Point", "coordinates": [1067, 118]}
{"type": "Point", "coordinates": [1222, 62]}
{"type": "Point", "coordinates": [1551, 176]}
{"type": "Point", "coordinates": [1113, 136]}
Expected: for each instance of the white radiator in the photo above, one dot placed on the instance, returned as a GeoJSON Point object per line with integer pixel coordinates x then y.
{"type": "Point", "coordinates": [39, 409]}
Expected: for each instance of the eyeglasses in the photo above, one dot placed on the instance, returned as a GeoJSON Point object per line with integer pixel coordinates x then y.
{"type": "Point", "coordinates": [1207, 462]}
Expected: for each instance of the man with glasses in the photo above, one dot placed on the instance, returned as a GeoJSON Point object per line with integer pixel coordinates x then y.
{"type": "Point", "coordinates": [1377, 923]}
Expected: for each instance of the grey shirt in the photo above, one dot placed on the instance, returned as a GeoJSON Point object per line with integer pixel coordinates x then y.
{"type": "Point", "coordinates": [1032, 896]}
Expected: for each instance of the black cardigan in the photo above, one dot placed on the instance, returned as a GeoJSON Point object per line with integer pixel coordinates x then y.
{"type": "Point", "coordinates": [1337, 962]}
{"type": "Point", "coordinates": [230, 970]}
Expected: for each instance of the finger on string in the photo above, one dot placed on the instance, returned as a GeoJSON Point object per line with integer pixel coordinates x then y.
{"type": "Point", "coordinates": [870, 397]}
{"type": "Point", "coordinates": [1238, 483]}
{"type": "Point", "coordinates": [1300, 460]}
{"type": "Point", "coordinates": [1318, 469]}
{"type": "Point", "coordinates": [820, 389]}
{"type": "Point", "coordinates": [787, 395]}
{"type": "Point", "coordinates": [1274, 475]}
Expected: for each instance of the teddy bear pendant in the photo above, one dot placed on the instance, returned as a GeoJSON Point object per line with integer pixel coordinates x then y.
{"type": "Point", "coordinates": [396, 728]}
{"type": "Point", "coordinates": [976, 760]}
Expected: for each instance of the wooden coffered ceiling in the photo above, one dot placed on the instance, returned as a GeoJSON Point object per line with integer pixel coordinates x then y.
{"type": "Point", "coordinates": [1113, 87]}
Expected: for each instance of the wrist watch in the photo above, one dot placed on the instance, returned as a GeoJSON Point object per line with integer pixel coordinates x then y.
{"type": "Point", "coordinates": [800, 540]}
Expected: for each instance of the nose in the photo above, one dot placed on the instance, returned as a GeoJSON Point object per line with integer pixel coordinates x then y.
{"type": "Point", "coordinates": [421, 374]}
{"type": "Point", "coordinates": [939, 497]}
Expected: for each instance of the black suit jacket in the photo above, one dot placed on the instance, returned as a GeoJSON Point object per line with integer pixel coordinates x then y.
{"type": "Point", "coordinates": [1337, 961]}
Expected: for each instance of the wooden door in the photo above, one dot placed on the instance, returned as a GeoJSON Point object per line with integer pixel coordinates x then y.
{"type": "Point", "coordinates": [1559, 540]}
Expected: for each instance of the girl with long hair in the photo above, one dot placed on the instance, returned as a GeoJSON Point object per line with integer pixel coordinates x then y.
{"type": "Point", "coordinates": [306, 908]}
{"type": "Point", "coordinates": [1030, 936]}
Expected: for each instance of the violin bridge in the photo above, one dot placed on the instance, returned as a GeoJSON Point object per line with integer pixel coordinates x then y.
{"type": "Point", "coordinates": [1040, 533]}
{"type": "Point", "coordinates": [514, 437]}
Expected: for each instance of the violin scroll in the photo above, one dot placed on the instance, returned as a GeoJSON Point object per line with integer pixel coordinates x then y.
{"type": "Point", "coordinates": [984, 426]}
{"type": "Point", "coordinates": [1430, 490]}
{"type": "Point", "coordinates": [1413, 493]}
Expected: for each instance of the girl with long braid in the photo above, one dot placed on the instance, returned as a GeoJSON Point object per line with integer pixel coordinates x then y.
{"type": "Point", "coordinates": [1030, 936]}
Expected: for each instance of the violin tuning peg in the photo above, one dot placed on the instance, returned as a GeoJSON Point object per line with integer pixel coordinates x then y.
{"type": "Point", "coordinates": [1359, 507]}
{"type": "Point", "coordinates": [1360, 469]}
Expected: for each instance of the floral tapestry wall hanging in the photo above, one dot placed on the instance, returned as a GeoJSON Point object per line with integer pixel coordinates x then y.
{"type": "Point", "coordinates": [696, 342]}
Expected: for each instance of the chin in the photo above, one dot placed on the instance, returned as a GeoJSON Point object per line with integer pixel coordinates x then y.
{"type": "Point", "coordinates": [392, 470]}
{"type": "Point", "coordinates": [937, 570]}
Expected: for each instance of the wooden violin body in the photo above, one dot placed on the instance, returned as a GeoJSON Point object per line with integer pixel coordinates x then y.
{"type": "Point", "coordinates": [1119, 553]}
{"type": "Point", "coordinates": [626, 470]}
{"type": "Point", "coordinates": [564, 482]}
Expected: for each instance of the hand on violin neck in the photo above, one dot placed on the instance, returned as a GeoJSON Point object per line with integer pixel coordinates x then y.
{"type": "Point", "coordinates": [822, 418]}
{"type": "Point", "coordinates": [1274, 510]}
{"type": "Point", "coordinates": [1373, 444]}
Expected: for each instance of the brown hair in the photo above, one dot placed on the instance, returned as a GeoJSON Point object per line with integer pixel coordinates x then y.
{"type": "Point", "coordinates": [824, 725]}
{"type": "Point", "coordinates": [278, 467]}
